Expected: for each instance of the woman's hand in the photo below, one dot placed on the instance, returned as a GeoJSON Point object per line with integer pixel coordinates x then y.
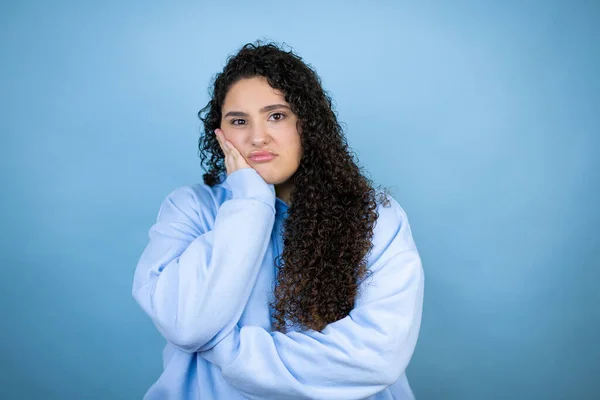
{"type": "Point", "coordinates": [233, 159]}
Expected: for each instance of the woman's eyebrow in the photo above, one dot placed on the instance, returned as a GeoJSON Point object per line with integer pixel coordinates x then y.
{"type": "Point", "coordinates": [262, 110]}
{"type": "Point", "coordinates": [235, 114]}
{"type": "Point", "coordinates": [273, 107]}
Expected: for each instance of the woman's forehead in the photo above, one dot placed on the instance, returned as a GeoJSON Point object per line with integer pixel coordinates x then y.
{"type": "Point", "coordinates": [253, 92]}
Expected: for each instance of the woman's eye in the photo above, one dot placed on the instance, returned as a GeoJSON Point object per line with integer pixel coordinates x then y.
{"type": "Point", "coordinates": [238, 122]}
{"type": "Point", "coordinates": [277, 116]}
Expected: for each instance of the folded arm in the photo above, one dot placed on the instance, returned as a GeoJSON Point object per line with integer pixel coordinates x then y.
{"type": "Point", "coordinates": [352, 358]}
{"type": "Point", "coordinates": [193, 282]}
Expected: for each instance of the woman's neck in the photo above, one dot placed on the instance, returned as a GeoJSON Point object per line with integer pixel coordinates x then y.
{"type": "Point", "coordinates": [284, 191]}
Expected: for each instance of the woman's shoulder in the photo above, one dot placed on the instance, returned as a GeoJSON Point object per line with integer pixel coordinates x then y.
{"type": "Point", "coordinates": [197, 202]}
{"type": "Point", "coordinates": [392, 233]}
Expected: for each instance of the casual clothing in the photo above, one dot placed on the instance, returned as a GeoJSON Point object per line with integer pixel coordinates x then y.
{"type": "Point", "coordinates": [206, 279]}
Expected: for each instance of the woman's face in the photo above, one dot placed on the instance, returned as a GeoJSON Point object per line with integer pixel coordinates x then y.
{"type": "Point", "coordinates": [255, 117]}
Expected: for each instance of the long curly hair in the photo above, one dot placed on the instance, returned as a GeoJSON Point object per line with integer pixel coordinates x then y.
{"type": "Point", "coordinates": [328, 231]}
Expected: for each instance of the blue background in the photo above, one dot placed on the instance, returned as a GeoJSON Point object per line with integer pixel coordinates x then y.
{"type": "Point", "coordinates": [482, 117]}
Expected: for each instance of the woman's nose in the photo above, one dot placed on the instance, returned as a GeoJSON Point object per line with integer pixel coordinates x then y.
{"type": "Point", "coordinates": [260, 136]}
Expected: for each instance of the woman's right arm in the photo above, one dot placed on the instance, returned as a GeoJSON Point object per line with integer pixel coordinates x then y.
{"type": "Point", "coordinates": [194, 284]}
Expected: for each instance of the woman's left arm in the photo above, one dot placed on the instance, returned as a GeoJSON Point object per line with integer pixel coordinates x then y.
{"type": "Point", "coordinates": [352, 358]}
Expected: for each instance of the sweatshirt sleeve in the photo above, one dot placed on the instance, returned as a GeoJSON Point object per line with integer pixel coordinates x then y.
{"type": "Point", "coordinates": [352, 358]}
{"type": "Point", "coordinates": [194, 282]}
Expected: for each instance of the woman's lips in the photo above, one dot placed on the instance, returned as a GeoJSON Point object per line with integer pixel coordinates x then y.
{"type": "Point", "coordinates": [262, 157]}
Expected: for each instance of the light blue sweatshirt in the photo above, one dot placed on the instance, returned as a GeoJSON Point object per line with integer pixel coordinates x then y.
{"type": "Point", "coordinates": [206, 279]}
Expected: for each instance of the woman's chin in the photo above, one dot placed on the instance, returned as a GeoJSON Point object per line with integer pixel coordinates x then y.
{"type": "Point", "coordinates": [272, 180]}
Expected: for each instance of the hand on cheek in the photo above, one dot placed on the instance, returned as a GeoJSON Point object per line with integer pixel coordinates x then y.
{"type": "Point", "coordinates": [233, 158]}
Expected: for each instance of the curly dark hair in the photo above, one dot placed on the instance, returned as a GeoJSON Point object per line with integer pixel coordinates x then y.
{"type": "Point", "coordinates": [329, 228]}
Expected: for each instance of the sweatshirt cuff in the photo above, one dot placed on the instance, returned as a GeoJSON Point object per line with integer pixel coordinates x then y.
{"type": "Point", "coordinates": [246, 183]}
{"type": "Point", "coordinates": [224, 352]}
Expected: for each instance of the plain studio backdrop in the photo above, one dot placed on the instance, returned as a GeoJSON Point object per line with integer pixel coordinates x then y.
{"type": "Point", "coordinates": [482, 117]}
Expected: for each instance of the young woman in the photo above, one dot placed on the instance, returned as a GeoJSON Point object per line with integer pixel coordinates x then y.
{"type": "Point", "coordinates": [285, 274]}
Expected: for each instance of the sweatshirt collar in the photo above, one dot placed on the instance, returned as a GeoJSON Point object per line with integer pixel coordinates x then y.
{"type": "Point", "coordinates": [281, 207]}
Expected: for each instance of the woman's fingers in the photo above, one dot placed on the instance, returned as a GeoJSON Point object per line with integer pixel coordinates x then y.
{"type": "Point", "coordinates": [220, 139]}
{"type": "Point", "coordinates": [238, 159]}
{"type": "Point", "coordinates": [233, 158]}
